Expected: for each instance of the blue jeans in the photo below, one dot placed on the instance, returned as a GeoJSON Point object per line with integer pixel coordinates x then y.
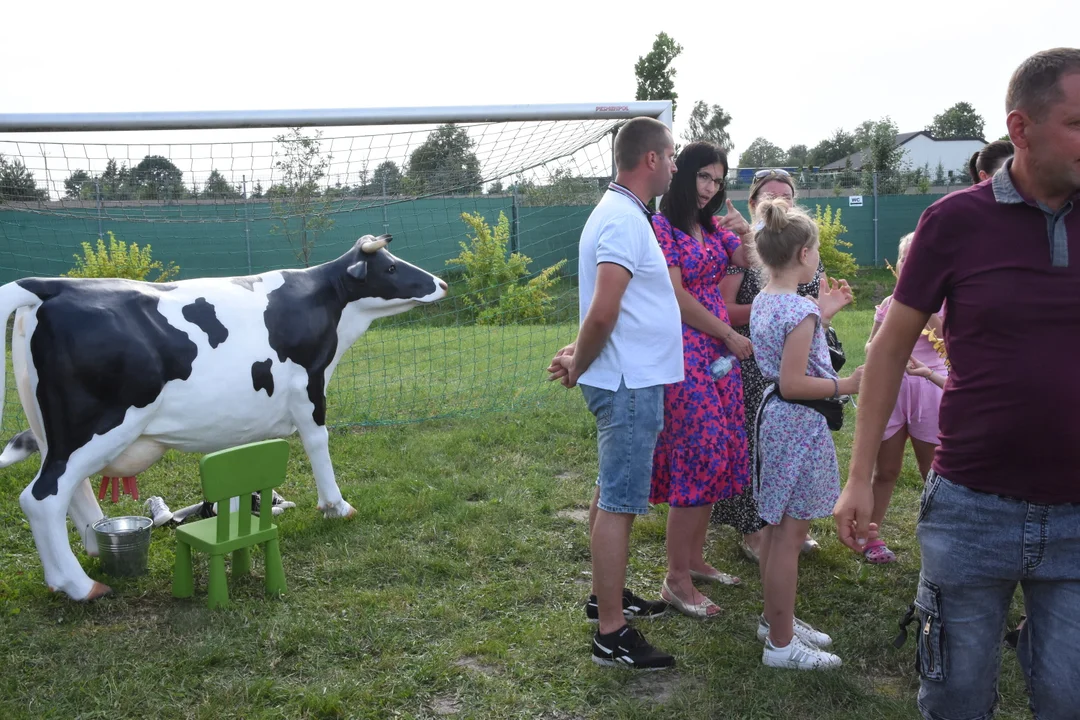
{"type": "Point", "coordinates": [627, 425]}
{"type": "Point", "coordinates": [975, 548]}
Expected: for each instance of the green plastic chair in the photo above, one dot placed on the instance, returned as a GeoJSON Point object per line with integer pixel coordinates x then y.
{"type": "Point", "coordinates": [236, 472]}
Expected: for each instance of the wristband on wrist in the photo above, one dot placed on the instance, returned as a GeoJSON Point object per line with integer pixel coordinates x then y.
{"type": "Point", "coordinates": [836, 388]}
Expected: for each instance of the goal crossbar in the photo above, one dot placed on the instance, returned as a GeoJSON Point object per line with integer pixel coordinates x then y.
{"type": "Point", "coordinates": [226, 119]}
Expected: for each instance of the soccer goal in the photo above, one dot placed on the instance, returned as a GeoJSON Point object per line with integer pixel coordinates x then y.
{"type": "Point", "coordinates": [237, 193]}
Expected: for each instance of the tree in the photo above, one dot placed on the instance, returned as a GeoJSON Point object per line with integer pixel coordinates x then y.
{"type": "Point", "coordinates": [257, 190]}
{"type": "Point", "coordinates": [881, 155]}
{"type": "Point", "coordinates": [939, 174]}
{"type": "Point", "coordinates": [17, 182]}
{"type": "Point", "coordinates": [708, 124]}
{"type": "Point", "coordinates": [217, 187]}
{"type": "Point", "coordinates": [116, 182]}
{"type": "Point", "coordinates": [493, 277]}
{"type": "Point", "coordinates": [73, 186]}
{"type": "Point", "coordinates": [496, 188]}
{"type": "Point", "coordinates": [562, 189]}
{"type": "Point", "coordinates": [655, 76]}
{"type": "Point", "coordinates": [301, 213]}
{"type": "Point", "coordinates": [834, 148]}
{"type": "Point", "coordinates": [119, 260]}
{"type": "Point", "coordinates": [156, 178]}
{"type": "Point", "coordinates": [838, 263]}
{"type": "Point", "coordinates": [387, 176]}
{"type": "Point", "coordinates": [796, 156]}
{"type": "Point", "coordinates": [959, 121]}
{"type": "Point", "coordinates": [445, 163]}
{"type": "Point", "coordinates": [761, 153]}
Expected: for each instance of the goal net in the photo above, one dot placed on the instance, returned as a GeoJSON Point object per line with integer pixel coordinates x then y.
{"type": "Point", "coordinates": [242, 200]}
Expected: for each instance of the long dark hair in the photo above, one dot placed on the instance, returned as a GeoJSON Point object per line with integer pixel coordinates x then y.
{"type": "Point", "coordinates": [973, 167]}
{"type": "Point", "coordinates": [679, 204]}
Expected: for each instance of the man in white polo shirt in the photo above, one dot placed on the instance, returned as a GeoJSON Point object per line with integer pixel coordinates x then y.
{"type": "Point", "coordinates": [628, 347]}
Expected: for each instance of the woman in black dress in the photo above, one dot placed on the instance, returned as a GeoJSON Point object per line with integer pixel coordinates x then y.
{"type": "Point", "coordinates": [739, 288]}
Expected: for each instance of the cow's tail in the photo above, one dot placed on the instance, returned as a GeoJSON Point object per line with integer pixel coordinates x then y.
{"type": "Point", "coordinates": [12, 297]}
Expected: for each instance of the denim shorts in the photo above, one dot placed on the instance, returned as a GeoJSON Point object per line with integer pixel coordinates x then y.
{"type": "Point", "coordinates": [627, 425]}
{"type": "Point", "coordinates": [976, 548]}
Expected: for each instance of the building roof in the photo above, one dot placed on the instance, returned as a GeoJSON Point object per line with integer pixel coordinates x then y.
{"type": "Point", "coordinates": [901, 138]}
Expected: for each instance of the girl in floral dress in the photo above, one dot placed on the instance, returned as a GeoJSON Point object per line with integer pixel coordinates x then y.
{"type": "Point", "coordinates": [739, 287]}
{"type": "Point", "coordinates": [796, 474]}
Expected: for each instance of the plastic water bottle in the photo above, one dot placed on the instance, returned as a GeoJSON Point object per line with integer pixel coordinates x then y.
{"type": "Point", "coordinates": [722, 366]}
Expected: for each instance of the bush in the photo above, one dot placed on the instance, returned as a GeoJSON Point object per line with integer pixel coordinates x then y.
{"type": "Point", "coordinates": [492, 277]}
{"type": "Point", "coordinates": [119, 260]}
{"type": "Point", "coordinates": [838, 264]}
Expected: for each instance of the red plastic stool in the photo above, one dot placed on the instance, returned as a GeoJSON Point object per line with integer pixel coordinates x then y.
{"type": "Point", "coordinates": [129, 486]}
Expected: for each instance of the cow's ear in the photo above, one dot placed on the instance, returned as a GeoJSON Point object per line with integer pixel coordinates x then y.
{"type": "Point", "coordinates": [359, 270]}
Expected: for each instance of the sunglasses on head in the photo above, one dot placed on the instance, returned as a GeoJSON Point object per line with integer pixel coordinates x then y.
{"type": "Point", "coordinates": [771, 172]}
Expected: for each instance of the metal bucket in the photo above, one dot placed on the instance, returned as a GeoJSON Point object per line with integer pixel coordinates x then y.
{"type": "Point", "coordinates": [124, 544]}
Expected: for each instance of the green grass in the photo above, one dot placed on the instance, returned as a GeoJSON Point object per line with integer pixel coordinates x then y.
{"type": "Point", "coordinates": [456, 589]}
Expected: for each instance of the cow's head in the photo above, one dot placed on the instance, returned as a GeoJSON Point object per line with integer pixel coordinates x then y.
{"type": "Point", "coordinates": [385, 284]}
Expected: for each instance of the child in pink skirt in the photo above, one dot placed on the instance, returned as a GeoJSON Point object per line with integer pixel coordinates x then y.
{"type": "Point", "coordinates": [915, 416]}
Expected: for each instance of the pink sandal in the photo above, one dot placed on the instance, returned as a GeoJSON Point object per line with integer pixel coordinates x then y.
{"type": "Point", "coordinates": [878, 553]}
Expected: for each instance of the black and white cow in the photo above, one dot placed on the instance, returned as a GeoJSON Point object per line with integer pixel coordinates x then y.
{"type": "Point", "coordinates": [112, 373]}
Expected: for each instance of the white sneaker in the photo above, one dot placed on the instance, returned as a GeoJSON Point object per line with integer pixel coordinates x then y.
{"type": "Point", "coordinates": [803, 631]}
{"type": "Point", "coordinates": [798, 655]}
{"type": "Point", "coordinates": [158, 510]}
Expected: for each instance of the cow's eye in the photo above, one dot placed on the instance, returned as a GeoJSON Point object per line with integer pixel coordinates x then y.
{"type": "Point", "coordinates": [392, 269]}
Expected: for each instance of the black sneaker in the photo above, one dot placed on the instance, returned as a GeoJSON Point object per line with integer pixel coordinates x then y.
{"type": "Point", "coordinates": [280, 504]}
{"type": "Point", "coordinates": [632, 607]}
{"type": "Point", "coordinates": [626, 647]}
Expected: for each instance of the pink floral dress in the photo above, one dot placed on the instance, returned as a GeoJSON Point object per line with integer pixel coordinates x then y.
{"type": "Point", "coordinates": [701, 454]}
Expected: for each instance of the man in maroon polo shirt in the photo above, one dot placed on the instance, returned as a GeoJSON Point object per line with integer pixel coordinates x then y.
{"type": "Point", "coordinates": [1002, 504]}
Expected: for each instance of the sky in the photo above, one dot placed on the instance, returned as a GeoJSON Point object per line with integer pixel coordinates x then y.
{"type": "Point", "coordinates": [789, 71]}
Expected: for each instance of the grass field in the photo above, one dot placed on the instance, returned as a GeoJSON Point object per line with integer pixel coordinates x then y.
{"type": "Point", "coordinates": [456, 590]}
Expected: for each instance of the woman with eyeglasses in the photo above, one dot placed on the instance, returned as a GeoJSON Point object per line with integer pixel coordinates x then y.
{"type": "Point", "coordinates": [701, 454]}
{"type": "Point", "coordinates": [739, 287]}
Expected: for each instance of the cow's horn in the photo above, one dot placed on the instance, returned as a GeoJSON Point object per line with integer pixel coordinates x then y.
{"type": "Point", "coordinates": [375, 244]}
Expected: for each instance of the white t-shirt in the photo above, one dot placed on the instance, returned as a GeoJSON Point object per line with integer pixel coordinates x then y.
{"type": "Point", "coordinates": [645, 348]}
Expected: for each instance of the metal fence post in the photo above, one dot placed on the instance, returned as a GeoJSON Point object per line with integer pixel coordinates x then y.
{"type": "Point", "coordinates": [97, 193]}
{"type": "Point", "coordinates": [247, 224]}
{"type": "Point", "coordinates": [385, 217]}
{"type": "Point", "coordinates": [614, 168]}
{"type": "Point", "coordinates": [514, 221]}
{"type": "Point", "coordinates": [876, 258]}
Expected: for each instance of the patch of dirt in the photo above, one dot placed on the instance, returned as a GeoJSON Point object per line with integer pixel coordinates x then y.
{"type": "Point", "coordinates": [568, 475]}
{"type": "Point", "coordinates": [473, 664]}
{"type": "Point", "coordinates": [892, 687]}
{"type": "Point", "coordinates": [575, 514]}
{"type": "Point", "coordinates": [654, 687]}
{"type": "Point", "coordinates": [445, 705]}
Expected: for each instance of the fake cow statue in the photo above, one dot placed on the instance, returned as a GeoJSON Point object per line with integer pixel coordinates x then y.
{"type": "Point", "coordinates": [112, 373]}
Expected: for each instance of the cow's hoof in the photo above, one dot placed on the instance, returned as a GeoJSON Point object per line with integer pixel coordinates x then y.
{"type": "Point", "coordinates": [99, 590]}
{"type": "Point", "coordinates": [341, 510]}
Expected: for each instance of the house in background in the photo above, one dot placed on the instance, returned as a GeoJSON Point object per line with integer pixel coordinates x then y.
{"type": "Point", "coordinates": [921, 150]}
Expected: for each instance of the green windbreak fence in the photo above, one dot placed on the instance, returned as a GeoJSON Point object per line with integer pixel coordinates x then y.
{"type": "Point", "coordinates": [428, 362]}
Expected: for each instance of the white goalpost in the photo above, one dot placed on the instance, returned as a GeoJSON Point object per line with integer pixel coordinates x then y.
{"type": "Point", "coordinates": [220, 193]}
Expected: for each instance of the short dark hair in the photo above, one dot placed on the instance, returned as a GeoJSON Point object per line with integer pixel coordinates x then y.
{"type": "Point", "coordinates": [993, 156]}
{"type": "Point", "coordinates": [1036, 84]}
{"type": "Point", "coordinates": [679, 204]}
{"type": "Point", "coordinates": [637, 138]}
